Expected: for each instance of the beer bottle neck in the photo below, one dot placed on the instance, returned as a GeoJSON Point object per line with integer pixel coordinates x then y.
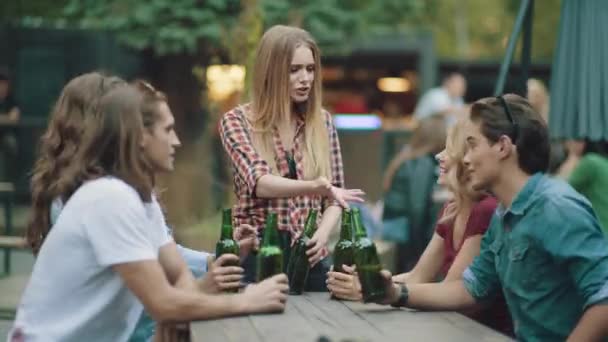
{"type": "Point", "coordinates": [226, 224]}
{"type": "Point", "coordinates": [311, 223]}
{"type": "Point", "coordinates": [358, 225]}
{"type": "Point", "coordinates": [226, 232]}
{"type": "Point", "coordinates": [271, 234]}
{"type": "Point", "coordinates": [346, 228]}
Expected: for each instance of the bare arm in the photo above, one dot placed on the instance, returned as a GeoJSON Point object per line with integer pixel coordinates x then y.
{"type": "Point", "coordinates": [593, 326]}
{"type": "Point", "coordinates": [568, 166]}
{"type": "Point", "coordinates": [330, 219]}
{"type": "Point", "coordinates": [428, 266]}
{"type": "Point", "coordinates": [469, 250]}
{"type": "Point", "coordinates": [175, 267]}
{"type": "Point", "coordinates": [316, 244]}
{"type": "Point", "coordinates": [272, 186]}
{"type": "Point", "coordinates": [450, 295]}
{"type": "Point", "coordinates": [216, 279]}
{"type": "Point", "coordinates": [166, 303]}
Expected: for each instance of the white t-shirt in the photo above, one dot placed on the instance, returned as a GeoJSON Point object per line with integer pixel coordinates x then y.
{"type": "Point", "coordinates": [73, 293]}
{"type": "Point", "coordinates": [434, 101]}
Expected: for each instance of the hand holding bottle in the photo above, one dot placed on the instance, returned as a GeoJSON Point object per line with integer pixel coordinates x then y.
{"type": "Point", "coordinates": [269, 295]}
{"type": "Point", "coordinates": [345, 285]}
{"type": "Point", "coordinates": [220, 276]}
{"type": "Point", "coordinates": [317, 247]}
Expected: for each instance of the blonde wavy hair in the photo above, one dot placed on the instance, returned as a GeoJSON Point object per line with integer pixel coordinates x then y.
{"type": "Point", "coordinates": [271, 101]}
{"type": "Point", "coordinates": [457, 178]}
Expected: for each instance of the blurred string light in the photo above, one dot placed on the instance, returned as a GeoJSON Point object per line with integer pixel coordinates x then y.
{"type": "Point", "coordinates": [394, 84]}
{"type": "Point", "coordinates": [224, 80]}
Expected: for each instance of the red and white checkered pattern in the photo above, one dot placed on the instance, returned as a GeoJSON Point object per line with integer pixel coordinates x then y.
{"type": "Point", "coordinates": [248, 167]}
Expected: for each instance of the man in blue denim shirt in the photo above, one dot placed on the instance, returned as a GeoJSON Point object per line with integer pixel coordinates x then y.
{"type": "Point", "coordinates": [544, 247]}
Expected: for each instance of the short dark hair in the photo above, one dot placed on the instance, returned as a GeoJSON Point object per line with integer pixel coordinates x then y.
{"type": "Point", "coordinates": [528, 131]}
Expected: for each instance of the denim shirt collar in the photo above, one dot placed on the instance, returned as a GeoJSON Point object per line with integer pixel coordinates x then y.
{"type": "Point", "coordinates": [524, 197]}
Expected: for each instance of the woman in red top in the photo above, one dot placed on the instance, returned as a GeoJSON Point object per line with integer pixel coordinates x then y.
{"type": "Point", "coordinates": [463, 221]}
{"type": "Point", "coordinates": [284, 148]}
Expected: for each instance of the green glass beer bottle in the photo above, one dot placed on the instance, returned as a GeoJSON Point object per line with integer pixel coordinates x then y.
{"type": "Point", "coordinates": [367, 261]}
{"type": "Point", "coordinates": [270, 257]}
{"type": "Point", "coordinates": [298, 266]}
{"type": "Point", "coordinates": [344, 249]}
{"type": "Point", "coordinates": [226, 244]}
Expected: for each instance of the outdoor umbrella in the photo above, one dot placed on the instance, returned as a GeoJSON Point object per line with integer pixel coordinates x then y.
{"type": "Point", "coordinates": [579, 81]}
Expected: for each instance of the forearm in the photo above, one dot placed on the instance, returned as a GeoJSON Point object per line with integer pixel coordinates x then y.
{"type": "Point", "coordinates": [186, 281]}
{"type": "Point", "coordinates": [272, 186]}
{"type": "Point", "coordinates": [439, 296]}
{"type": "Point", "coordinates": [179, 305]}
{"type": "Point", "coordinates": [593, 326]}
{"type": "Point", "coordinates": [330, 219]}
{"type": "Point", "coordinates": [567, 167]}
{"type": "Point", "coordinates": [175, 268]}
{"type": "Point", "coordinates": [428, 266]}
{"type": "Point", "coordinates": [415, 277]}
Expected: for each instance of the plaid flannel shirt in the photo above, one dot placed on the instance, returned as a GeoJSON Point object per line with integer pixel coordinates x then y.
{"type": "Point", "coordinates": [248, 167]}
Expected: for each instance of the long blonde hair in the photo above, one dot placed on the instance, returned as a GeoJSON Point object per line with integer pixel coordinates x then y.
{"type": "Point", "coordinates": [457, 181]}
{"type": "Point", "coordinates": [271, 101]}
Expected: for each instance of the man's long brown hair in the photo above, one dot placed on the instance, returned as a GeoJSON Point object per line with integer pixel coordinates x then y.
{"type": "Point", "coordinates": [114, 149]}
{"type": "Point", "coordinates": [72, 115]}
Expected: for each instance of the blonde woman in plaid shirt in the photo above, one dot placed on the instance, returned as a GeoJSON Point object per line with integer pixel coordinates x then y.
{"type": "Point", "coordinates": [284, 148]}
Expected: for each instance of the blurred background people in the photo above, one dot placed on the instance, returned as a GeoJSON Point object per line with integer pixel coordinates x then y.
{"type": "Point", "coordinates": [586, 169]}
{"type": "Point", "coordinates": [538, 96]}
{"type": "Point", "coordinates": [9, 109]}
{"type": "Point", "coordinates": [9, 115]}
{"type": "Point", "coordinates": [409, 181]}
{"type": "Point", "coordinates": [446, 100]}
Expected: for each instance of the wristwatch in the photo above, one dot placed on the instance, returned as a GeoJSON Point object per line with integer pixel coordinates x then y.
{"type": "Point", "coordinates": [403, 297]}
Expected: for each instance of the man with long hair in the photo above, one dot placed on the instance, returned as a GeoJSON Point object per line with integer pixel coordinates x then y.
{"type": "Point", "coordinates": [109, 252]}
{"type": "Point", "coordinates": [74, 115]}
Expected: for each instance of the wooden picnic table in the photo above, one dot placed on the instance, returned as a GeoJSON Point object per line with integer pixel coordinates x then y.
{"type": "Point", "coordinates": [313, 315]}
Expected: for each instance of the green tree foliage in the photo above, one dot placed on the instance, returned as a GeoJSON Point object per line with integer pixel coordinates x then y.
{"type": "Point", "coordinates": [335, 23]}
{"type": "Point", "coordinates": [463, 29]}
{"type": "Point", "coordinates": [479, 29]}
{"type": "Point", "coordinates": [167, 26]}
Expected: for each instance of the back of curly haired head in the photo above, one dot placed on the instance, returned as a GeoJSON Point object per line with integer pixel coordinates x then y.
{"type": "Point", "coordinates": [74, 113]}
